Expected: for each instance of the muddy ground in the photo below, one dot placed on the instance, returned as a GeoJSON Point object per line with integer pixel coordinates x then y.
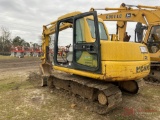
{"type": "Point", "coordinates": [21, 97]}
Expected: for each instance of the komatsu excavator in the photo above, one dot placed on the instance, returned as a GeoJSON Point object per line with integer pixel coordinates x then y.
{"type": "Point", "coordinates": [95, 67]}
{"type": "Point", "coordinates": [148, 15]}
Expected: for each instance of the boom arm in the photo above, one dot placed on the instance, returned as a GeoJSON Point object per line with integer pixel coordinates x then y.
{"type": "Point", "coordinates": [51, 29]}
{"type": "Point", "coordinates": [125, 13]}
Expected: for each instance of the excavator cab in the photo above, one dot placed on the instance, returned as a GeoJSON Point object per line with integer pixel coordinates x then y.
{"type": "Point", "coordinates": [84, 38]}
{"type": "Point", "coordinates": [153, 41]}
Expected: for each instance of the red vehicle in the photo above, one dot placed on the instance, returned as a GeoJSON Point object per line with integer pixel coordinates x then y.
{"type": "Point", "coordinates": [17, 51]}
{"type": "Point", "coordinates": [37, 52]}
{"type": "Point", "coordinates": [29, 51]}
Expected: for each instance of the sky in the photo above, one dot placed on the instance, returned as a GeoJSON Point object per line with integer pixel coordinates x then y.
{"type": "Point", "coordinates": [25, 18]}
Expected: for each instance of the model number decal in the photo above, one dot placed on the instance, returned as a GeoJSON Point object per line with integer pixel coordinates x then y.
{"type": "Point", "coordinates": [142, 68]}
{"type": "Point", "coordinates": [114, 16]}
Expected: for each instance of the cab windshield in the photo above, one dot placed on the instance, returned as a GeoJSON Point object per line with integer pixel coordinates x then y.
{"type": "Point", "coordinates": [154, 34]}
{"type": "Point", "coordinates": [154, 39]}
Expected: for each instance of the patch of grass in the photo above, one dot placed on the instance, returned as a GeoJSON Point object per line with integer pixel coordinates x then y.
{"type": "Point", "coordinates": [14, 83]}
{"type": "Point", "coordinates": [8, 83]}
{"type": "Point", "coordinates": [2, 57]}
{"type": "Point", "coordinates": [9, 86]}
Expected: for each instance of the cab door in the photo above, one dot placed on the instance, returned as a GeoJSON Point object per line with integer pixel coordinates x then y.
{"type": "Point", "coordinates": [86, 53]}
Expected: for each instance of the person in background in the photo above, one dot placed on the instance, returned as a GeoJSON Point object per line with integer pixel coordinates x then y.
{"type": "Point", "coordinates": [139, 31]}
{"type": "Point", "coordinates": [126, 37]}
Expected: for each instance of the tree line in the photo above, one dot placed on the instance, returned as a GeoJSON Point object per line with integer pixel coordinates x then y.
{"type": "Point", "coordinates": [6, 42]}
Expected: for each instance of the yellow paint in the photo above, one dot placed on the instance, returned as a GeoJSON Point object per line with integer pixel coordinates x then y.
{"type": "Point", "coordinates": [116, 51]}
{"type": "Point", "coordinates": [119, 62]}
{"type": "Point", "coordinates": [112, 71]}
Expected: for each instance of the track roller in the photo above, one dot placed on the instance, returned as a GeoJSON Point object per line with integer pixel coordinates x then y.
{"type": "Point", "coordinates": [131, 87]}
{"type": "Point", "coordinates": [102, 98]}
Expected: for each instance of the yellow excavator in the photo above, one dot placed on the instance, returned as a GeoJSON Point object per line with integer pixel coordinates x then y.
{"type": "Point", "coordinates": [95, 67]}
{"type": "Point", "coordinates": [148, 15]}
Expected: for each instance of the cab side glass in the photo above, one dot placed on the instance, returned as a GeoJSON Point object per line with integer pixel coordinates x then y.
{"type": "Point", "coordinates": [154, 39]}
{"type": "Point", "coordinates": [85, 57]}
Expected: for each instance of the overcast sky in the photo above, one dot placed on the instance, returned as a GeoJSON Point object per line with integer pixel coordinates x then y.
{"type": "Point", "coordinates": [25, 18]}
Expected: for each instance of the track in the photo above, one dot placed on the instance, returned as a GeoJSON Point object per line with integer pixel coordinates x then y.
{"type": "Point", "coordinates": [150, 79]}
{"type": "Point", "coordinates": [101, 97]}
{"type": "Point", "coordinates": [154, 77]}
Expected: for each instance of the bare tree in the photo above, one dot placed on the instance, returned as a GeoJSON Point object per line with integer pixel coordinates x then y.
{"type": "Point", "coordinates": [5, 39]}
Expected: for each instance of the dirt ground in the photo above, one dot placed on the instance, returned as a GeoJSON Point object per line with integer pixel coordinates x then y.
{"type": "Point", "coordinates": [21, 97]}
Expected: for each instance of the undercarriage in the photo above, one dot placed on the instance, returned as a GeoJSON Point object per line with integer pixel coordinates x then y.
{"type": "Point", "coordinates": [102, 96]}
{"type": "Point", "coordinates": [154, 76]}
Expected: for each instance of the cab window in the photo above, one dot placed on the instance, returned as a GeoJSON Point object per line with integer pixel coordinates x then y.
{"type": "Point", "coordinates": [102, 32]}
{"type": "Point", "coordinates": [154, 34]}
{"type": "Point", "coordinates": [154, 39]}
